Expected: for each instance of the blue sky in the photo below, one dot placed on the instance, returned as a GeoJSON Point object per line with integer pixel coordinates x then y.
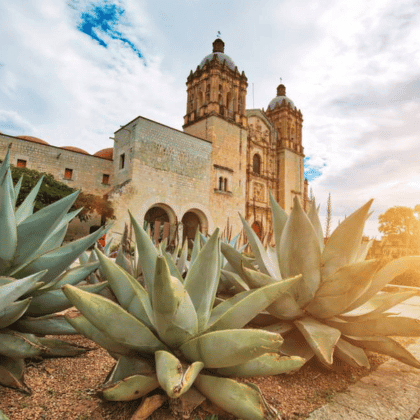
{"type": "Point", "coordinates": [72, 72]}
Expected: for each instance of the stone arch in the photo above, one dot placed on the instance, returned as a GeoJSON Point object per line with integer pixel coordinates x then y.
{"type": "Point", "coordinates": [157, 215]}
{"type": "Point", "coordinates": [192, 219]}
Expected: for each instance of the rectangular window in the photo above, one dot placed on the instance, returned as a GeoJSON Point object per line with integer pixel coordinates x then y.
{"type": "Point", "coordinates": [105, 179]}
{"type": "Point", "coordinates": [21, 163]}
{"type": "Point", "coordinates": [122, 161]}
{"type": "Point", "coordinates": [68, 173]}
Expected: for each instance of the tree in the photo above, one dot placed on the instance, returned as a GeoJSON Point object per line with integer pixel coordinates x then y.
{"type": "Point", "coordinates": [328, 219]}
{"type": "Point", "coordinates": [401, 223]}
{"type": "Point", "coordinates": [52, 190]}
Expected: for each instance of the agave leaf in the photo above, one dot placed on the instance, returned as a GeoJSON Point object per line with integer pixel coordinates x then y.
{"type": "Point", "coordinates": [230, 347]}
{"type": "Point", "coordinates": [86, 328]}
{"type": "Point", "coordinates": [376, 306]}
{"type": "Point", "coordinates": [279, 221]}
{"type": "Point", "coordinates": [3, 416]}
{"type": "Point", "coordinates": [163, 245]}
{"type": "Point", "coordinates": [130, 293]}
{"type": "Point", "coordinates": [147, 254]}
{"type": "Point", "coordinates": [263, 259]}
{"type": "Point", "coordinates": [129, 366]}
{"type": "Point", "coordinates": [17, 188]}
{"type": "Point", "coordinates": [285, 307]}
{"type": "Point", "coordinates": [83, 258]}
{"type": "Point", "coordinates": [171, 375]}
{"type": "Point", "coordinates": [113, 320]}
{"type": "Point", "coordinates": [363, 250]}
{"type": "Point", "coordinates": [342, 288]}
{"type": "Point", "coordinates": [8, 232]}
{"type": "Point", "coordinates": [130, 388]}
{"type": "Point", "coordinates": [388, 346]}
{"type": "Point", "coordinates": [225, 305]}
{"type": "Point", "coordinates": [300, 254]}
{"type": "Point", "coordinates": [56, 237]}
{"type": "Point", "coordinates": [241, 400]}
{"type": "Point", "coordinates": [54, 324]}
{"type": "Point", "coordinates": [77, 274]}
{"type": "Point", "coordinates": [19, 345]}
{"type": "Point", "coordinates": [384, 276]}
{"type": "Point", "coordinates": [33, 231]}
{"type": "Point", "coordinates": [59, 348]}
{"type": "Point", "coordinates": [174, 315]}
{"type": "Point", "coordinates": [390, 325]}
{"type": "Point", "coordinates": [55, 300]}
{"type": "Point", "coordinates": [13, 312]}
{"type": "Point", "coordinates": [27, 206]}
{"type": "Point", "coordinates": [236, 259]}
{"type": "Point", "coordinates": [255, 301]}
{"type": "Point", "coordinates": [316, 223]}
{"type": "Point", "coordinates": [107, 248]}
{"type": "Point", "coordinates": [343, 245]}
{"type": "Point", "coordinates": [232, 282]}
{"type": "Point", "coordinates": [203, 278]}
{"type": "Point", "coordinates": [172, 267]}
{"type": "Point", "coordinates": [266, 365]}
{"type": "Point", "coordinates": [256, 279]}
{"type": "Point", "coordinates": [294, 344]}
{"type": "Point", "coordinates": [4, 166]}
{"type": "Point", "coordinates": [11, 373]}
{"type": "Point", "coordinates": [123, 261]}
{"type": "Point", "coordinates": [15, 289]}
{"type": "Point", "coordinates": [322, 338]}
{"type": "Point", "coordinates": [182, 260]}
{"type": "Point", "coordinates": [57, 260]}
{"type": "Point", "coordinates": [352, 355]}
{"type": "Point", "coordinates": [280, 328]}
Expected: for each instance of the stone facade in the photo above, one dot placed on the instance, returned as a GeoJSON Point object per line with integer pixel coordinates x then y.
{"type": "Point", "coordinates": [226, 161]}
{"type": "Point", "coordinates": [77, 169]}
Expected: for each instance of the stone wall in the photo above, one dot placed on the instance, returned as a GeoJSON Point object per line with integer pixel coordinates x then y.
{"type": "Point", "coordinates": [229, 145]}
{"type": "Point", "coordinates": [87, 170]}
{"type": "Point", "coordinates": [167, 169]}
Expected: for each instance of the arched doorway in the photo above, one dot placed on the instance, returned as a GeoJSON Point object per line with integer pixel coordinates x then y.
{"type": "Point", "coordinates": [161, 219]}
{"type": "Point", "coordinates": [192, 220]}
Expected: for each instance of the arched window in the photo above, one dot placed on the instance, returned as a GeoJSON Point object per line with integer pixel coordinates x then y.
{"type": "Point", "coordinates": [225, 185]}
{"type": "Point", "coordinates": [256, 164]}
{"type": "Point", "coordinates": [220, 183]}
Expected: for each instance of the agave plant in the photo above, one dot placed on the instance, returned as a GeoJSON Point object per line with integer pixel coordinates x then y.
{"type": "Point", "coordinates": [168, 334]}
{"type": "Point", "coordinates": [336, 309]}
{"type": "Point", "coordinates": [33, 269]}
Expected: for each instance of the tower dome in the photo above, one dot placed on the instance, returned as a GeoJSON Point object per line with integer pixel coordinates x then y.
{"type": "Point", "coordinates": [281, 96]}
{"type": "Point", "coordinates": [219, 54]}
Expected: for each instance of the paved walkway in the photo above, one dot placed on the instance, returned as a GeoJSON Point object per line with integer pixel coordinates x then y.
{"type": "Point", "coordinates": [392, 392]}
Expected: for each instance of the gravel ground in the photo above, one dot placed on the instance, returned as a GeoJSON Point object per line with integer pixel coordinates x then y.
{"type": "Point", "coordinates": [64, 389]}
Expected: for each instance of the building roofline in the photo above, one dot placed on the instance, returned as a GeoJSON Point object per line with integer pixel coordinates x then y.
{"type": "Point", "coordinates": [261, 114]}
{"type": "Point", "coordinates": [55, 147]}
{"type": "Point", "coordinates": [163, 125]}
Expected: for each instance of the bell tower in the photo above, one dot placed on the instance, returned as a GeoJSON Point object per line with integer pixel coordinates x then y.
{"type": "Point", "coordinates": [216, 104]}
{"type": "Point", "coordinates": [216, 88]}
{"type": "Point", "coordinates": [287, 120]}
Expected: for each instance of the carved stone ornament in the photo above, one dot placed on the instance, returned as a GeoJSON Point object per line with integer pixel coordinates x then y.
{"type": "Point", "coordinates": [259, 191]}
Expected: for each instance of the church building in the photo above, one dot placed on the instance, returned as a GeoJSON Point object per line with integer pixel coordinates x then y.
{"type": "Point", "coordinates": [225, 161]}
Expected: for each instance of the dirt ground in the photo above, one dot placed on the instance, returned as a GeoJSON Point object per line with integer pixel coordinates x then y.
{"type": "Point", "coordinates": [65, 389]}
